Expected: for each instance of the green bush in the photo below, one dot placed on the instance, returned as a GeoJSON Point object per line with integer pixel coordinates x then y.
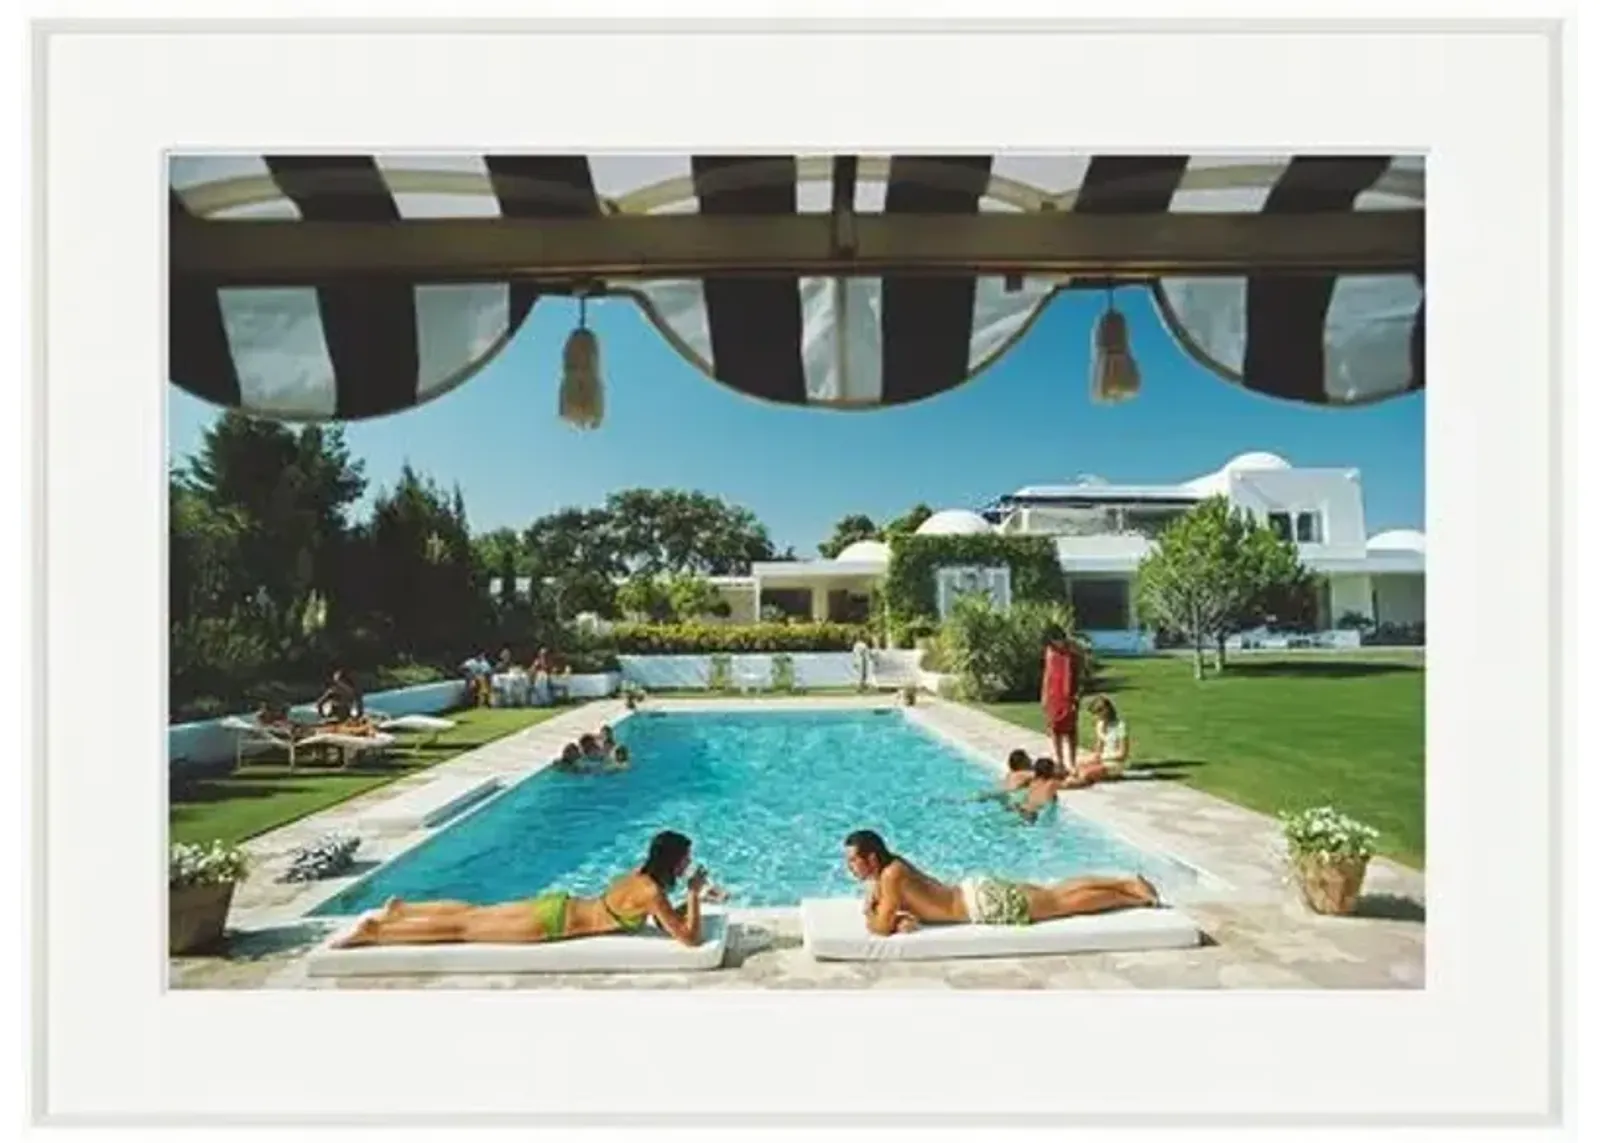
{"type": "Point", "coordinates": [911, 588]}
{"type": "Point", "coordinates": [399, 675]}
{"type": "Point", "coordinates": [713, 638]}
{"type": "Point", "coordinates": [591, 661]}
{"type": "Point", "coordinates": [999, 655]}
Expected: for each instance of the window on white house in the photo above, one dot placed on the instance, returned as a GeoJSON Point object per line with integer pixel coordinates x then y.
{"type": "Point", "coordinates": [1308, 527]}
{"type": "Point", "coordinates": [1282, 525]}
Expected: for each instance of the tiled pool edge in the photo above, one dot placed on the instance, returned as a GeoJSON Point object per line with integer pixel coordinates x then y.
{"type": "Point", "coordinates": [1233, 844]}
{"type": "Point", "coordinates": [1264, 940]}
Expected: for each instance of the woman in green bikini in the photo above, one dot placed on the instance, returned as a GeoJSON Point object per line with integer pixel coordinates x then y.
{"type": "Point", "coordinates": [624, 907]}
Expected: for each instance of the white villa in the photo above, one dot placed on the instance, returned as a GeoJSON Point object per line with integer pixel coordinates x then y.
{"type": "Point", "coordinates": [1103, 530]}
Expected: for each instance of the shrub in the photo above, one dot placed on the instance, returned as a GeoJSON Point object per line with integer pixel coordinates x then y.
{"type": "Point", "coordinates": [191, 864]}
{"type": "Point", "coordinates": [999, 655]}
{"type": "Point", "coordinates": [591, 661]}
{"type": "Point", "coordinates": [1326, 833]}
{"type": "Point", "coordinates": [406, 675]}
{"type": "Point", "coordinates": [713, 638]}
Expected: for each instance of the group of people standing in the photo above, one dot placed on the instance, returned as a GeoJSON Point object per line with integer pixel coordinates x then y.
{"type": "Point", "coordinates": [546, 682]}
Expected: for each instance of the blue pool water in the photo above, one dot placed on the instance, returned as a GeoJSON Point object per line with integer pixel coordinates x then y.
{"type": "Point", "coordinates": [768, 798]}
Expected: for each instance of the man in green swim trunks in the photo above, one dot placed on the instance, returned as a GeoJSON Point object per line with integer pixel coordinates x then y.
{"type": "Point", "coordinates": [902, 898]}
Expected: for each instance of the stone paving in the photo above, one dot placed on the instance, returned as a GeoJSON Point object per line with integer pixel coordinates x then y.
{"type": "Point", "coordinates": [1258, 934]}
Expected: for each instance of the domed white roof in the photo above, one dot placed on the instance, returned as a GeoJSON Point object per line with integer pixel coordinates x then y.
{"type": "Point", "coordinates": [865, 552]}
{"type": "Point", "coordinates": [954, 522]}
{"type": "Point", "coordinates": [1398, 540]}
{"type": "Point", "coordinates": [1256, 461]}
{"type": "Point", "coordinates": [1215, 483]}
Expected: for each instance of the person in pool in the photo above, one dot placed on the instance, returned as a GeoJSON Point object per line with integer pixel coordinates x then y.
{"type": "Point", "coordinates": [592, 750]}
{"type": "Point", "coordinates": [902, 898]}
{"type": "Point", "coordinates": [636, 897]}
{"type": "Point", "coordinates": [1041, 791]}
{"type": "Point", "coordinates": [608, 739]}
{"type": "Point", "coordinates": [571, 757]}
{"type": "Point", "coordinates": [619, 759]}
{"type": "Point", "coordinates": [1019, 773]}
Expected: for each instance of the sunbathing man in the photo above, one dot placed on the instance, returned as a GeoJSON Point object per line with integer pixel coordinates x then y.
{"type": "Point", "coordinates": [1041, 791]}
{"type": "Point", "coordinates": [637, 896]}
{"type": "Point", "coordinates": [903, 898]}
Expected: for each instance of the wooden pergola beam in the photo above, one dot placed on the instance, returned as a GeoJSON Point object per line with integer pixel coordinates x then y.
{"type": "Point", "coordinates": [1104, 246]}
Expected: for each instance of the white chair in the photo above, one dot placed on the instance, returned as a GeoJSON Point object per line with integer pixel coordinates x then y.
{"type": "Point", "coordinates": [751, 673]}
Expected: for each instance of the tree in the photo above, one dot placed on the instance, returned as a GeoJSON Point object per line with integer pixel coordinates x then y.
{"type": "Point", "coordinates": [693, 597]}
{"type": "Point", "coordinates": [847, 531]}
{"type": "Point", "coordinates": [1214, 571]}
{"type": "Point", "coordinates": [573, 559]}
{"type": "Point", "coordinates": [670, 531]}
{"type": "Point", "coordinates": [907, 524]}
{"type": "Point", "coordinates": [428, 589]}
{"type": "Point", "coordinates": [290, 492]}
{"type": "Point", "coordinates": [645, 599]}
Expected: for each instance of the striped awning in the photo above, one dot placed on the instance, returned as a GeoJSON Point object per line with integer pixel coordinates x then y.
{"type": "Point", "coordinates": [322, 339]}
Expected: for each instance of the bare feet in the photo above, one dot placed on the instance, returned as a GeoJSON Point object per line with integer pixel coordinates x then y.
{"type": "Point", "coordinates": [1153, 894]}
{"type": "Point", "coordinates": [391, 909]}
{"type": "Point", "coordinates": [363, 933]}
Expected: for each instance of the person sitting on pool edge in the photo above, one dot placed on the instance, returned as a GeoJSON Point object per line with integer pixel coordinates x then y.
{"type": "Point", "coordinates": [1110, 756]}
{"type": "Point", "coordinates": [631, 900]}
{"type": "Point", "coordinates": [903, 898]}
{"type": "Point", "coordinates": [1041, 791]}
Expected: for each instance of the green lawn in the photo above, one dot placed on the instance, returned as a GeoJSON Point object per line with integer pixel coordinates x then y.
{"type": "Point", "coordinates": [1281, 733]}
{"type": "Point", "coordinates": [257, 798]}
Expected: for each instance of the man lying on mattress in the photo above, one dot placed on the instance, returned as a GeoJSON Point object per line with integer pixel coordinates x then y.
{"type": "Point", "coordinates": [901, 897]}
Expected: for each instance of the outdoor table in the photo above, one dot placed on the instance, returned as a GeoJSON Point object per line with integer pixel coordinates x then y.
{"type": "Point", "coordinates": [510, 688]}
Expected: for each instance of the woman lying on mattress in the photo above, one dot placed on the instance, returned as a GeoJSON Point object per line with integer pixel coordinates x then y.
{"type": "Point", "coordinates": [625, 906]}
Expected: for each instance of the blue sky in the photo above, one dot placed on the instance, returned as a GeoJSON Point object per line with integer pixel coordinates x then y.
{"type": "Point", "coordinates": [1027, 420]}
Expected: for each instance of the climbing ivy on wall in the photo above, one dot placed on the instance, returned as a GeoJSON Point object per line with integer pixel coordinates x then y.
{"type": "Point", "coordinates": [911, 588]}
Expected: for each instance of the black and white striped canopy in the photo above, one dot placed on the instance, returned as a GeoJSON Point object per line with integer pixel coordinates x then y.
{"type": "Point", "coordinates": [351, 348]}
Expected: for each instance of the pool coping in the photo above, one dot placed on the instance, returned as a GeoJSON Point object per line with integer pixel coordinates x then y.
{"type": "Point", "coordinates": [265, 904]}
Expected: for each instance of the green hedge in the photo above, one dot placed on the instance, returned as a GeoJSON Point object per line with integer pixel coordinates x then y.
{"type": "Point", "coordinates": [754, 638]}
{"type": "Point", "coordinates": [910, 586]}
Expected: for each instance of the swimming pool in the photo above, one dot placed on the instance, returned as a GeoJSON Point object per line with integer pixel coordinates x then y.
{"type": "Point", "coordinates": [767, 797]}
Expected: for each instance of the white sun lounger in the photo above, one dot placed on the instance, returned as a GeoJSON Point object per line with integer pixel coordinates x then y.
{"type": "Point", "coordinates": [648, 951]}
{"type": "Point", "coordinates": [835, 928]}
{"type": "Point", "coordinates": [250, 732]}
{"type": "Point", "coordinates": [427, 727]}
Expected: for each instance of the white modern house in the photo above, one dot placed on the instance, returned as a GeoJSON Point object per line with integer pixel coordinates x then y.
{"type": "Point", "coordinates": [1102, 531]}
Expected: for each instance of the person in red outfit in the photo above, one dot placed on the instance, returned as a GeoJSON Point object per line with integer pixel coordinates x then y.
{"type": "Point", "coordinates": [1058, 696]}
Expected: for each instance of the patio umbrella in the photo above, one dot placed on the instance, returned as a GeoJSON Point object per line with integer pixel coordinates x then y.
{"type": "Point", "coordinates": [316, 287]}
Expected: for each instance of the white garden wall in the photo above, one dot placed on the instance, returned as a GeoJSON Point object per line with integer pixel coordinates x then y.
{"type": "Point", "coordinates": [813, 670]}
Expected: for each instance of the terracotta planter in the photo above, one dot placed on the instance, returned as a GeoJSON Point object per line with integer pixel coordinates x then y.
{"type": "Point", "coordinates": [1330, 886]}
{"type": "Point", "coordinates": [196, 916]}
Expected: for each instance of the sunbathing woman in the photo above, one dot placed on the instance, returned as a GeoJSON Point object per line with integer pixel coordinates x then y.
{"type": "Point", "coordinates": [625, 906]}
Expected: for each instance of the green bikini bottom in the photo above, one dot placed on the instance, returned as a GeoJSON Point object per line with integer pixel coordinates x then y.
{"type": "Point", "coordinates": [550, 909]}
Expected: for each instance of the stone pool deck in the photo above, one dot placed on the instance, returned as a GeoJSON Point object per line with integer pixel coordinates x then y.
{"type": "Point", "coordinates": [1259, 936]}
